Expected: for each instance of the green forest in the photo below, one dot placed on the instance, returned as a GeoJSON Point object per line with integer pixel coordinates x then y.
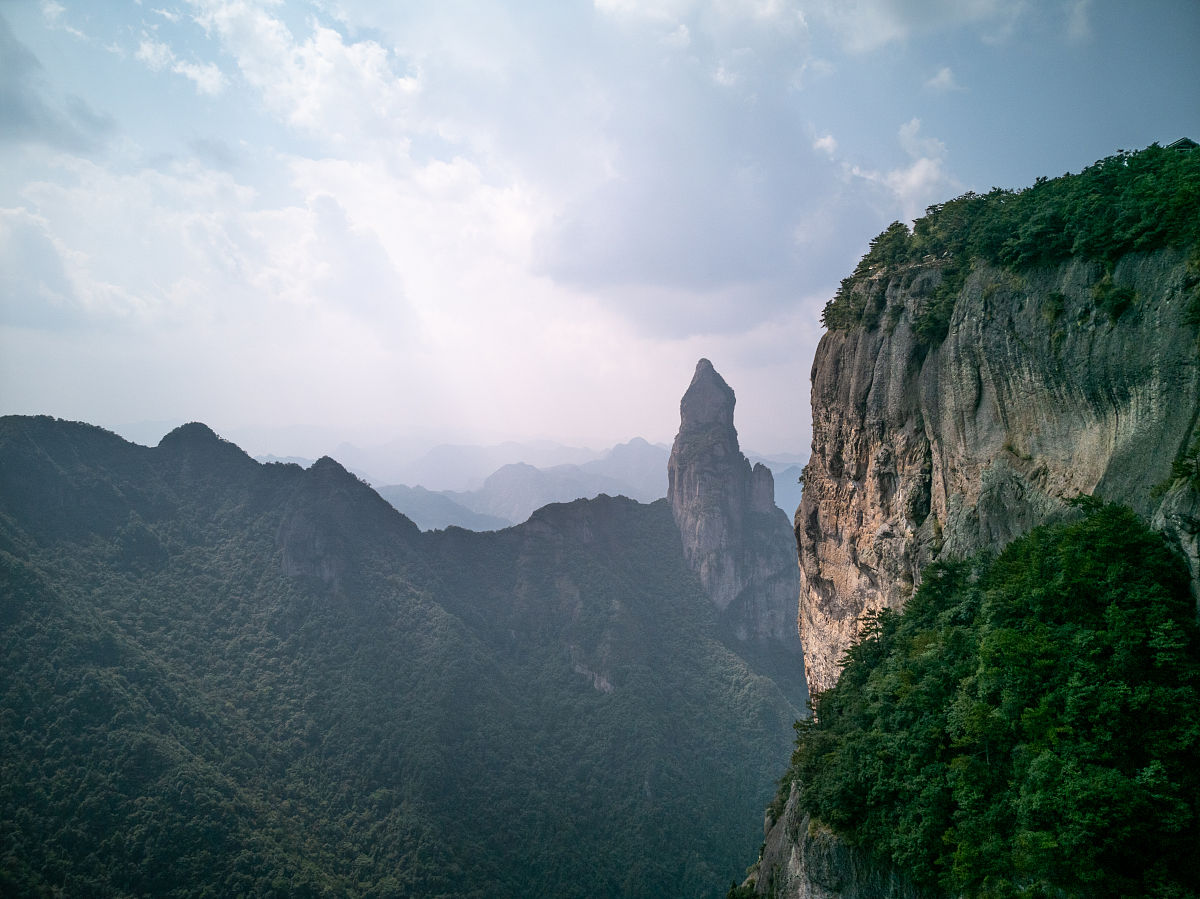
{"type": "Point", "coordinates": [1029, 725]}
{"type": "Point", "coordinates": [220, 678]}
{"type": "Point", "coordinates": [1130, 202]}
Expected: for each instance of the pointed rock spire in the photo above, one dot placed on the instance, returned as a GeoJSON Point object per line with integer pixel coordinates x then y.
{"type": "Point", "coordinates": [734, 537]}
{"type": "Point", "coordinates": [708, 400]}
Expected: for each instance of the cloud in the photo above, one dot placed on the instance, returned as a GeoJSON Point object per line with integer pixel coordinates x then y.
{"type": "Point", "coordinates": [917, 146]}
{"type": "Point", "coordinates": [215, 153]}
{"type": "Point", "coordinates": [300, 300]}
{"type": "Point", "coordinates": [53, 15]}
{"type": "Point", "coordinates": [35, 290]}
{"type": "Point", "coordinates": [923, 181]}
{"type": "Point", "coordinates": [1079, 24]}
{"type": "Point", "coordinates": [866, 25]}
{"type": "Point", "coordinates": [944, 81]}
{"type": "Point", "coordinates": [735, 67]}
{"type": "Point", "coordinates": [207, 77]}
{"type": "Point", "coordinates": [826, 144]}
{"type": "Point", "coordinates": [322, 84]}
{"type": "Point", "coordinates": [724, 23]}
{"type": "Point", "coordinates": [661, 11]}
{"type": "Point", "coordinates": [680, 38]}
{"type": "Point", "coordinates": [29, 112]}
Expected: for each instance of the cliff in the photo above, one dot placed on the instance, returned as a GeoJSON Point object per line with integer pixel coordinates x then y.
{"type": "Point", "coordinates": [734, 536]}
{"type": "Point", "coordinates": [1038, 393]}
{"type": "Point", "coordinates": [1009, 353]}
{"type": "Point", "coordinates": [802, 859]}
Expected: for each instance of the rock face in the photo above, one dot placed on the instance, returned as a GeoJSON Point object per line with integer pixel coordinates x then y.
{"type": "Point", "coordinates": [802, 859]}
{"type": "Point", "coordinates": [734, 536]}
{"type": "Point", "coordinates": [1034, 397]}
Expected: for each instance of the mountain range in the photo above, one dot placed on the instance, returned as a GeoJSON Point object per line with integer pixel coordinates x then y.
{"type": "Point", "coordinates": [222, 677]}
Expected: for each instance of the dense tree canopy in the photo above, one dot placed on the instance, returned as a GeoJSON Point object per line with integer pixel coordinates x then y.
{"type": "Point", "coordinates": [1132, 201]}
{"type": "Point", "coordinates": [1029, 725]}
{"type": "Point", "coordinates": [219, 678]}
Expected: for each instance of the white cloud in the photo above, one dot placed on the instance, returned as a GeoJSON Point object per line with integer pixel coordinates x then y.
{"type": "Point", "coordinates": [718, 18]}
{"type": "Point", "coordinates": [322, 84]}
{"type": "Point", "coordinates": [154, 54]}
{"type": "Point", "coordinates": [917, 146]}
{"type": "Point", "coordinates": [52, 11]}
{"type": "Point", "coordinates": [785, 15]}
{"type": "Point", "coordinates": [923, 181]}
{"type": "Point", "coordinates": [866, 25]}
{"type": "Point", "coordinates": [664, 11]}
{"type": "Point", "coordinates": [53, 14]}
{"type": "Point", "coordinates": [207, 77]}
{"type": "Point", "coordinates": [826, 144]}
{"type": "Point", "coordinates": [808, 71]}
{"type": "Point", "coordinates": [680, 38]}
{"type": "Point", "coordinates": [725, 75]}
{"type": "Point", "coordinates": [35, 289]}
{"type": "Point", "coordinates": [944, 81]}
{"type": "Point", "coordinates": [1079, 24]}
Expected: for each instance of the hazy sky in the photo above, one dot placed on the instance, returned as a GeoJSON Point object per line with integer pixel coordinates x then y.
{"type": "Point", "coordinates": [445, 221]}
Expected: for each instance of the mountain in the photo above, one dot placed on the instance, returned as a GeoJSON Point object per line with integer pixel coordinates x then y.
{"type": "Point", "coordinates": [510, 494]}
{"type": "Point", "coordinates": [789, 486]}
{"type": "Point", "coordinates": [514, 491]}
{"type": "Point", "coordinates": [639, 465]}
{"type": "Point", "coordinates": [734, 536]}
{"type": "Point", "coordinates": [1012, 353]}
{"type": "Point", "coordinates": [972, 398]}
{"type": "Point", "coordinates": [635, 469]}
{"type": "Point", "coordinates": [223, 677]}
{"type": "Point", "coordinates": [431, 511]}
{"type": "Point", "coordinates": [456, 467]}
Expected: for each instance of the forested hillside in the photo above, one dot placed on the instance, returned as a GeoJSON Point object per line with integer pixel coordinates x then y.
{"type": "Point", "coordinates": [224, 678]}
{"type": "Point", "coordinates": [1029, 725]}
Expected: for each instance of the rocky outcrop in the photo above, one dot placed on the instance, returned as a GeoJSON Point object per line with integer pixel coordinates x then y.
{"type": "Point", "coordinates": [734, 536]}
{"type": "Point", "coordinates": [1035, 396]}
{"type": "Point", "coordinates": [803, 859]}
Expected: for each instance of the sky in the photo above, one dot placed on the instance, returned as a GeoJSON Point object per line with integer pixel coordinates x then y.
{"type": "Point", "coordinates": [315, 222]}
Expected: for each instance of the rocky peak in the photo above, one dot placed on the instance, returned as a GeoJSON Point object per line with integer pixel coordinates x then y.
{"type": "Point", "coordinates": [708, 401]}
{"type": "Point", "coordinates": [733, 535]}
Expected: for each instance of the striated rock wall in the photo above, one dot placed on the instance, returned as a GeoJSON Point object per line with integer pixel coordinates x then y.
{"type": "Point", "coordinates": [1034, 397]}
{"type": "Point", "coordinates": [802, 859]}
{"type": "Point", "coordinates": [734, 536]}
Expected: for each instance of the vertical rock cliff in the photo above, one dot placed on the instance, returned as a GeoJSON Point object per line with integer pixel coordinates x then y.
{"type": "Point", "coordinates": [926, 449]}
{"type": "Point", "coordinates": [1008, 354]}
{"type": "Point", "coordinates": [802, 859]}
{"type": "Point", "coordinates": [1034, 396]}
{"type": "Point", "coordinates": [734, 536]}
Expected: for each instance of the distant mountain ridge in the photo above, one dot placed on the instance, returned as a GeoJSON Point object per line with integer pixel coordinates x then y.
{"type": "Point", "coordinates": [263, 680]}
{"type": "Point", "coordinates": [510, 493]}
{"type": "Point", "coordinates": [431, 510]}
{"type": "Point", "coordinates": [635, 469]}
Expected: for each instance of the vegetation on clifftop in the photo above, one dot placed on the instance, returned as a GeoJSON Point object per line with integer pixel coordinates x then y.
{"type": "Point", "coordinates": [1029, 725]}
{"type": "Point", "coordinates": [1135, 200]}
